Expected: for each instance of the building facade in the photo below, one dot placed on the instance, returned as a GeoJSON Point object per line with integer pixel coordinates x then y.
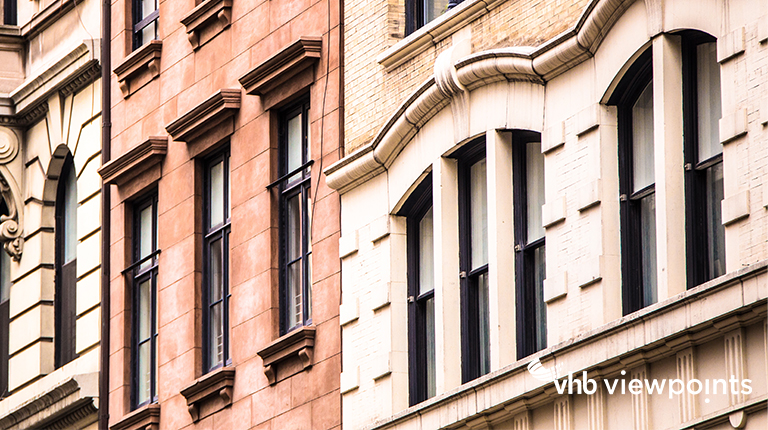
{"type": "Point", "coordinates": [224, 280]}
{"type": "Point", "coordinates": [50, 264]}
{"type": "Point", "coordinates": [538, 189]}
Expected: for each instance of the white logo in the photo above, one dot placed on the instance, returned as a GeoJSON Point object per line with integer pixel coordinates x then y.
{"type": "Point", "coordinates": [542, 373]}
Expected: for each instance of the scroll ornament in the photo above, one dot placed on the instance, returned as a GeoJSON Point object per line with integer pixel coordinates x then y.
{"type": "Point", "coordinates": [10, 232]}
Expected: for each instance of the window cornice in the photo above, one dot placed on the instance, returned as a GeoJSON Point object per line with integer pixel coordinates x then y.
{"type": "Point", "coordinates": [147, 417]}
{"type": "Point", "coordinates": [298, 343]}
{"type": "Point", "coordinates": [206, 15]}
{"type": "Point", "coordinates": [205, 115]}
{"type": "Point", "coordinates": [283, 65]}
{"type": "Point", "coordinates": [137, 160]}
{"type": "Point", "coordinates": [214, 387]}
{"type": "Point", "coordinates": [146, 58]}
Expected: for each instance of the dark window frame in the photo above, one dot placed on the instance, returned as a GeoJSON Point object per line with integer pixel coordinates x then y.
{"type": "Point", "coordinates": [65, 285]}
{"type": "Point", "coordinates": [10, 12]}
{"type": "Point", "coordinates": [140, 24]}
{"type": "Point", "coordinates": [638, 76]}
{"type": "Point", "coordinates": [4, 314]}
{"type": "Point", "coordinates": [525, 265]}
{"type": "Point", "coordinates": [415, 14]}
{"type": "Point", "coordinates": [210, 235]}
{"type": "Point", "coordinates": [287, 188]}
{"type": "Point", "coordinates": [138, 275]}
{"type": "Point", "coordinates": [471, 366]}
{"type": "Point", "coordinates": [414, 210]}
{"type": "Point", "coordinates": [698, 266]}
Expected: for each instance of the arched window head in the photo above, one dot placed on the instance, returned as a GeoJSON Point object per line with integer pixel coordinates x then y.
{"type": "Point", "coordinates": [66, 265]}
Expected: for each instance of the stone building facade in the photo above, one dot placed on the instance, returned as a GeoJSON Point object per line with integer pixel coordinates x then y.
{"type": "Point", "coordinates": [50, 124]}
{"type": "Point", "coordinates": [224, 281]}
{"type": "Point", "coordinates": [534, 189]}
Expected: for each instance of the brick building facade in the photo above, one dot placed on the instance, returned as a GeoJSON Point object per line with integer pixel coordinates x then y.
{"type": "Point", "coordinates": [225, 276]}
{"type": "Point", "coordinates": [581, 183]}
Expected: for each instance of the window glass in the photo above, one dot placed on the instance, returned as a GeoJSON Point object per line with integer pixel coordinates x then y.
{"type": "Point", "coordinates": [434, 8]}
{"type": "Point", "coordinates": [430, 335]}
{"type": "Point", "coordinates": [534, 189]}
{"type": "Point", "coordinates": [479, 214]}
{"type": "Point", "coordinates": [648, 248]}
{"type": "Point", "coordinates": [145, 235]}
{"type": "Point", "coordinates": [642, 140]}
{"type": "Point", "coordinates": [294, 146]}
{"type": "Point", "coordinates": [716, 236]}
{"type": "Point", "coordinates": [70, 213]}
{"type": "Point", "coordinates": [426, 254]}
{"type": "Point", "coordinates": [5, 276]}
{"type": "Point", "coordinates": [217, 194]}
{"type": "Point", "coordinates": [144, 337]}
{"type": "Point", "coordinates": [708, 100]}
{"type": "Point", "coordinates": [484, 323]}
{"type": "Point", "coordinates": [540, 273]}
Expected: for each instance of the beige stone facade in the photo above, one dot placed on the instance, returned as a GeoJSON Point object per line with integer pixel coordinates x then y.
{"type": "Point", "coordinates": [487, 71]}
{"type": "Point", "coordinates": [50, 89]}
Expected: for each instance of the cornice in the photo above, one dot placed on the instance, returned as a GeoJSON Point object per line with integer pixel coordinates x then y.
{"type": "Point", "coordinates": [144, 418]}
{"type": "Point", "coordinates": [138, 159]}
{"type": "Point", "coordinates": [537, 65]}
{"type": "Point", "coordinates": [145, 58]}
{"type": "Point", "coordinates": [283, 65]}
{"type": "Point", "coordinates": [214, 387]}
{"type": "Point", "coordinates": [206, 14]}
{"type": "Point", "coordinates": [207, 114]}
{"type": "Point", "coordinates": [43, 19]}
{"type": "Point", "coordinates": [298, 343]}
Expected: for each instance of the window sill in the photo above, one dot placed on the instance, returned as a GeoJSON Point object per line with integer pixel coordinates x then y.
{"type": "Point", "coordinates": [210, 14]}
{"type": "Point", "coordinates": [144, 59]}
{"type": "Point", "coordinates": [144, 418]}
{"type": "Point", "coordinates": [205, 116]}
{"type": "Point", "coordinates": [435, 31]}
{"type": "Point", "coordinates": [298, 344]}
{"type": "Point", "coordinates": [134, 162]}
{"type": "Point", "coordinates": [213, 391]}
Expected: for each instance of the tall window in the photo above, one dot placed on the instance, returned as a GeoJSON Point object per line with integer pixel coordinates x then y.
{"type": "Point", "coordinates": [145, 14]}
{"type": "Point", "coordinates": [5, 296]}
{"type": "Point", "coordinates": [9, 12]}
{"type": "Point", "coordinates": [530, 263]}
{"type": "Point", "coordinates": [66, 266]}
{"type": "Point", "coordinates": [295, 217]}
{"type": "Point", "coordinates": [421, 292]}
{"type": "Point", "coordinates": [637, 185]}
{"type": "Point", "coordinates": [144, 332]}
{"type": "Point", "coordinates": [473, 258]}
{"type": "Point", "coordinates": [216, 249]}
{"type": "Point", "coordinates": [703, 158]}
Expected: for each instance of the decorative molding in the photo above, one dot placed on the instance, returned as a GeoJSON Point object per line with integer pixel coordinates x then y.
{"type": "Point", "coordinates": [27, 415]}
{"type": "Point", "coordinates": [281, 66]}
{"type": "Point", "coordinates": [214, 387]}
{"type": "Point", "coordinates": [46, 17]}
{"type": "Point", "coordinates": [536, 65]}
{"type": "Point", "coordinates": [448, 84]}
{"type": "Point", "coordinates": [735, 362]}
{"type": "Point", "coordinates": [11, 225]}
{"type": "Point", "coordinates": [555, 287]}
{"type": "Point", "coordinates": [349, 311]}
{"type": "Point", "coordinates": [379, 228]}
{"type": "Point", "coordinates": [206, 115]}
{"type": "Point", "coordinates": [596, 408]}
{"type": "Point", "coordinates": [145, 418]}
{"type": "Point", "coordinates": [553, 212]}
{"type": "Point", "coordinates": [9, 145]}
{"type": "Point", "coordinates": [553, 137]}
{"type": "Point", "coordinates": [138, 159]}
{"type": "Point", "coordinates": [731, 45]}
{"type": "Point", "coordinates": [144, 59]}
{"type": "Point", "coordinates": [686, 371]}
{"type": "Point", "coordinates": [640, 401]}
{"type": "Point", "coordinates": [563, 414]}
{"type": "Point", "coordinates": [522, 421]}
{"type": "Point", "coordinates": [205, 15]}
{"type": "Point", "coordinates": [348, 244]}
{"type": "Point", "coordinates": [381, 365]}
{"type": "Point", "coordinates": [380, 296]}
{"type": "Point", "coordinates": [588, 195]}
{"type": "Point", "coordinates": [30, 117]}
{"type": "Point", "coordinates": [298, 343]}
{"type": "Point", "coordinates": [591, 270]}
{"type": "Point", "coordinates": [587, 119]}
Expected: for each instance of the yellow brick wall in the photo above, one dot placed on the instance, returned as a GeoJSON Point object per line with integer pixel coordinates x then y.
{"type": "Point", "coordinates": [372, 93]}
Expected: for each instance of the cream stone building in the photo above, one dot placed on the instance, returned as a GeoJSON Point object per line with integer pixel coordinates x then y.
{"type": "Point", "coordinates": [50, 145]}
{"type": "Point", "coordinates": [574, 186]}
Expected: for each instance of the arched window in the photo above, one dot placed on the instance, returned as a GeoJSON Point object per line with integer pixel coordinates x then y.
{"type": "Point", "coordinates": [66, 265]}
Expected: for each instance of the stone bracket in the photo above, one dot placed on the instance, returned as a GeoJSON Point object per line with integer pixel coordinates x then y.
{"type": "Point", "coordinates": [206, 15]}
{"type": "Point", "coordinates": [214, 388]}
{"type": "Point", "coordinates": [299, 343]}
{"type": "Point", "coordinates": [144, 59]}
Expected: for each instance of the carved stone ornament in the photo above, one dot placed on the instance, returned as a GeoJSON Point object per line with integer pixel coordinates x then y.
{"type": "Point", "coordinates": [10, 228]}
{"type": "Point", "coordinates": [9, 145]}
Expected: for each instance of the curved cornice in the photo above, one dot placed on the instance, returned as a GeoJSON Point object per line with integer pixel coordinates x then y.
{"type": "Point", "coordinates": [537, 65]}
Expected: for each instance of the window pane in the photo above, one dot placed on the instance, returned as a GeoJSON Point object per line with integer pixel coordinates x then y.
{"type": "Point", "coordinates": [478, 197]}
{"type": "Point", "coordinates": [426, 254]}
{"type": "Point", "coordinates": [429, 314]}
{"type": "Point", "coordinates": [147, 7]}
{"type": "Point", "coordinates": [534, 183]}
{"type": "Point", "coordinates": [149, 33]}
{"type": "Point", "coordinates": [294, 145]}
{"type": "Point", "coordinates": [434, 8]}
{"type": "Point", "coordinates": [145, 374]}
{"type": "Point", "coordinates": [648, 248]}
{"type": "Point", "coordinates": [216, 346]}
{"type": "Point", "coordinates": [293, 220]}
{"type": "Point", "coordinates": [70, 214]}
{"type": "Point", "coordinates": [216, 194]}
{"type": "Point", "coordinates": [540, 273]}
{"type": "Point", "coordinates": [5, 276]}
{"type": "Point", "coordinates": [145, 310]}
{"type": "Point", "coordinates": [217, 271]}
{"type": "Point", "coordinates": [708, 100]}
{"type": "Point", "coordinates": [642, 140]}
{"type": "Point", "coordinates": [146, 229]}
{"type": "Point", "coordinates": [293, 296]}
{"type": "Point", "coordinates": [716, 233]}
{"type": "Point", "coordinates": [484, 323]}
